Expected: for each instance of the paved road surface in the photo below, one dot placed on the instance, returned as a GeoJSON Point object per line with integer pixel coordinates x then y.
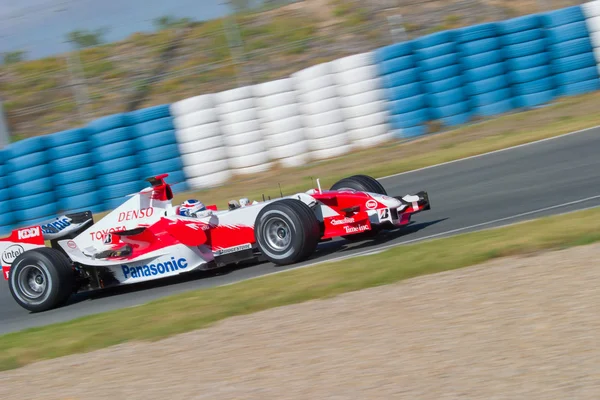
{"type": "Point", "coordinates": [526, 182]}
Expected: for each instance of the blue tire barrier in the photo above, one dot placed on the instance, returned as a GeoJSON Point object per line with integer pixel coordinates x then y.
{"type": "Point", "coordinates": [563, 16]}
{"type": "Point", "coordinates": [27, 214]}
{"type": "Point", "coordinates": [535, 99]}
{"type": "Point", "coordinates": [120, 177]}
{"type": "Point", "coordinates": [112, 151]}
{"type": "Point", "coordinates": [519, 24]}
{"type": "Point", "coordinates": [68, 150]}
{"type": "Point", "coordinates": [572, 63]}
{"type": "Point", "coordinates": [528, 75]}
{"type": "Point", "coordinates": [487, 85]}
{"type": "Point", "coordinates": [458, 119]}
{"type": "Point", "coordinates": [489, 98]}
{"type": "Point", "coordinates": [489, 110]}
{"type": "Point", "coordinates": [442, 99]}
{"type": "Point", "coordinates": [400, 78]}
{"type": "Point", "coordinates": [443, 85]}
{"type": "Point", "coordinates": [571, 48]}
{"type": "Point", "coordinates": [29, 174]}
{"type": "Point", "coordinates": [7, 218]}
{"type": "Point", "coordinates": [450, 110]}
{"type": "Point", "coordinates": [521, 37]}
{"type": "Point", "coordinates": [149, 114]}
{"type": "Point", "coordinates": [482, 73]}
{"type": "Point", "coordinates": [25, 147]}
{"type": "Point", "coordinates": [20, 163]}
{"type": "Point", "coordinates": [525, 49]}
{"type": "Point", "coordinates": [158, 154]}
{"type": "Point", "coordinates": [77, 175]}
{"type": "Point", "coordinates": [482, 60]}
{"type": "Point", "coordinates": [404, 91]}
{"type": "Point", "coordinates": [574, 89]}
{"type": "Point", "coordinates": [410, 119]}
{"type": "Point", "coordinates": [393, 51]}
{"type": "Point", "coordinates": [32, 201]}
{"type": "Point", "coordinates": [530, 61]}
{"type": "Point", "coordinates": [67, 137]}
{"type": "Point", "coordinates": [152, 127]}
{"type": "Point", "coordinates": [413, 131]}
{"type": "Point", "coordinates": [33, 187]}
{"type": "Point", "coordinates": [433, 39]}
{"type": "Point", "coordinates": [75, 189]}
{"type": "Point", "coordinates": [160, 167]}
{"type": "Point", "coordinates": [566, 33]}
{"type": "Point", "coordinates": [70, 163]}
{"type": "Point", "coordinates": [80, 202]}
{"type": "Point", "coordinates": [438, 62]}
{"type": "Point", "coordinates": [441, 74]}
{"type": "Point", "coordinates": [435, 51]}
{"type": "Point", "coordinates": [155, 140]}
{"type": "Point", "coordinates": [578, 75]}
{"type": "Point", "coordinates": [396, 65]}
{"type": "Point", "coordinates": [476, 32]}
{"type": "Point", "coordinates": [541, 85]}
{"type": "Point", "coordinates": [122, 189]}
{"type": "Point", "coordinates": [479, 46]}
{"type": "Point", "coordinates": [116, 165]}
{"type": "Point", "coordinates": [4, 196]}
{"type": "Point", "coordinates": [115, 135]}
{"type": "Point", "coordinates": [409, 104]}
{"type": "Point", "coordinates": [109, 123]}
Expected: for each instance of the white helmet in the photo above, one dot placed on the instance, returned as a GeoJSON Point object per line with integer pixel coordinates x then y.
{"type": "Point", "coordinates": [191, 207]}
{"type": "Point", "coordinates": [244, 202]}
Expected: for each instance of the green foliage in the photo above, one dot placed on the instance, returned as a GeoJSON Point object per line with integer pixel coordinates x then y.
{"type": "Point", "coordinates": [170, 22]}
{"type": "Point", "coordinates": [85, 38]}
{"type": "Point", "coordinates": [13, 57]}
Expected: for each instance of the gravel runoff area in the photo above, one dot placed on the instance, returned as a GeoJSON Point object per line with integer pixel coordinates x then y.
{"type": "Point", "coordinates": [513, 328]}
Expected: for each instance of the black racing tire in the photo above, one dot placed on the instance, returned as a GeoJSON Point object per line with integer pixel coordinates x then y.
{"type": "Point", "coordinates": [363, 183]}
{"type": "Point", "coordinates": [287, 231]}
{"type": "Point", "coordinates": [41, 279]}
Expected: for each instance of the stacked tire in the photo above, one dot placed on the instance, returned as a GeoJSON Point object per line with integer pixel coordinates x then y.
{"type": "Point", "coordinates": [238, 116]}
{"type": "Point", "coordinates": [591, 10]}
{"type": "Point", "coordinates": [403, 90]}
{"type": "Point", "coordinates": [7, 218]}
{"type": "Point", "coordinates": [525, 49]}
{"type": "Point", "coordinates": [115, 160]}
{"type": "Point", "coordinates": [73, 172]}
{"type": "Point", "coordinates": [321, 109]}
{"type": "Point", "coordinates": [29, 177]}
{"type": "Point", "coordinates": [200, 142]}
{"type": "Point", "coordinates": [440, 70]}
{"type": "Point", "coordinates": [574, 66]}
{"type": "Point", "coordinates": [281, 122]}
{"type": "Point", "coordinates": [156, 145]}
{"type": "Point", "coordinates": [362, 100]}
{"type": "Point", "coordinates": [484, 70]}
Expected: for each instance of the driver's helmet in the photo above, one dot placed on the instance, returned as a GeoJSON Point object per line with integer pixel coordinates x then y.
{"type": "Point", "coordinates": [191, 207]}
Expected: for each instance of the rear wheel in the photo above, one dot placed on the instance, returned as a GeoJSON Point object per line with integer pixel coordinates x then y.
{"type": "Point", "coordinates": [287, 231]}
{"type": "Point", "coordinates": [41, 279]}
{"type": "Point", "coordinates": [363, 183]}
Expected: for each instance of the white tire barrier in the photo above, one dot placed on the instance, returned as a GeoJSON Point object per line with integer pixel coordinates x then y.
{"type": "Point", "coordinates": [200, 141]}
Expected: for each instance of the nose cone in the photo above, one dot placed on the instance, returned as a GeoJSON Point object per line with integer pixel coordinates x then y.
{"type": "Point", "coordinates": [387, 200]}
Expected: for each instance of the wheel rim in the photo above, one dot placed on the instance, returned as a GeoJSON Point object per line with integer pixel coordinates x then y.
{"type": "Point", "coordinates": [32, 281]}
{"type": "Point", "coordinates": [278, 234]}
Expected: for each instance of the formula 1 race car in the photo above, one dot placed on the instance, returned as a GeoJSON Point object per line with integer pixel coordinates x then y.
{"type": "Point", "coordinates": [147, 238]}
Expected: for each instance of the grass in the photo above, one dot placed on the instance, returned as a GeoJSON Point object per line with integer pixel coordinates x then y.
{"type": "Point", "coordinates": [201, 308]}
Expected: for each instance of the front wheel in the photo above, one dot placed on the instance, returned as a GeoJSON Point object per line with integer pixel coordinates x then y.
{"type": "Point", "coordinates": [41, 279]}
{"type": "Point", "coordinates": [287, 231]}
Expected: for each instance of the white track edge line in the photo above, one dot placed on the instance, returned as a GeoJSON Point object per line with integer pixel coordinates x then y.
{"type": "Point", "coordinates": [426, 238]}
{"type": "Point", "coordinates": [492, 152]}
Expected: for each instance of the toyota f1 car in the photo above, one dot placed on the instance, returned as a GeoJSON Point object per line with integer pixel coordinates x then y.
{"type": "Point", "coordinates": [146, 238]}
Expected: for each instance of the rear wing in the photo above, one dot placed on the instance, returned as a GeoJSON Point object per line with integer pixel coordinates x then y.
{"type": "Point", "coordinates": [20, 240]}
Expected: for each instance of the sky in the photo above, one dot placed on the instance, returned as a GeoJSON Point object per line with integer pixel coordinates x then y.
{"type": "Point", "coordinates": [39, 26]}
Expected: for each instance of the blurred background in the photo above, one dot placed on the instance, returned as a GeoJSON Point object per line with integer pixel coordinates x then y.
{"type": "Point", "coordinates": [66, 62]}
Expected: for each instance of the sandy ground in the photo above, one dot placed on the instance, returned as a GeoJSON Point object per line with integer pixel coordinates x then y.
{"type": "Point", "coordinates": [518, 328]}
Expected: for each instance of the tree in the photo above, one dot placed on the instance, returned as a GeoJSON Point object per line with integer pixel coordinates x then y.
{"type": "Point", "coordinates": [13, 57]}
{"type": "Point", "coordinates": [85, 38]}
{"type": "Point", "coordinates": [168, 22]}
{"type": "Point", "coordinates": [240, 5]}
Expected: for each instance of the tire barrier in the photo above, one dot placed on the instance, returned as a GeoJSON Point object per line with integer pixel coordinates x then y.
{"type": "Point", "coordinates": [29, 181]}
{"type": "Point", "coordinates": [525, 49]}
{"type": "Point", "coordinates": [156, 145]}
{"type": "Point", "coordinates": [322, 116]}
{"type": "Point", "coordinates": [362, 100]}
{"type": "Point", "coordinates": [484, 70]}
{"type": "Point", "coordinates": [281, 121]}
{"type": "Point", "coordinates": [321, 112]}
{"type": "Point", "coordinates": [200, 142]}
{"type": "Point", "coordinates": [438, 64]}
{"type": "Point", "coordinates": [403, 90]}
{"type": "Point", "coordinates": [572, 60]}
{"type": "Point", "coordinates": [238, 116]}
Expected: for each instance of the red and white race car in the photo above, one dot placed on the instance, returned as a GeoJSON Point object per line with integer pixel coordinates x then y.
{"type": "Point", "coordinates": [147, 238]}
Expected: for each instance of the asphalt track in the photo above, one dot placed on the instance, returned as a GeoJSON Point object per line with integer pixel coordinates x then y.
{"type": "Point", "coordinates": [526, 182]}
